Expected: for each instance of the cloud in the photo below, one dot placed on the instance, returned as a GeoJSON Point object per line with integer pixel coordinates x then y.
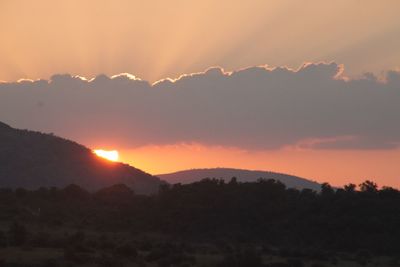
{"type": "Point", "coordinates": [256, 108]}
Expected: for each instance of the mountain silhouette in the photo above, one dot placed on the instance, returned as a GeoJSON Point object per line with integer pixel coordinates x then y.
{"type": "Point", "coordinates": [188, 176]}
{"type": "Point", "coordinates": [32, 159]}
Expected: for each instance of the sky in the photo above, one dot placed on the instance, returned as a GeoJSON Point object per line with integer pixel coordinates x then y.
{"type": "Point", "coordinates": [309, 88]}
{"type": "Point", "coordinates": [158, 39]}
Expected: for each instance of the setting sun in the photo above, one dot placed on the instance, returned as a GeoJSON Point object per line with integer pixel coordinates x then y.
{"type": "Point", "coordinates": [111, 155]}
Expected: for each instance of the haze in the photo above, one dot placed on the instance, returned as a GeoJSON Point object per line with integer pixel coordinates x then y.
{"type": "Point", "coordinates": [309, 88]}
{"type": "Point", "coordinates": [159, 39]}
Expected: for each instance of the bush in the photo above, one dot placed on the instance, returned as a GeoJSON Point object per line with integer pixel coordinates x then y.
{"type": "Point", "coordinates": [295, 263]}
{"type": "Point", "coordinates": [77, 238]}
{"type": "Point", "coordinates": [176, 260]}
{"type": "Point", "coordinates": [278, 264]}
{"type": "Point", "coordinates": [106, 260]}
{"type": "Point", "coordinates": [105, 243]}
{"type": "Point", "coordinates": [169, 255]}
{"type": "Point", "coordinates": [73, 255]}
{"type": "Point", "coordinates": [145, 245]}
{"type": "Point", "coordinates": [3, 240]}
{"type": "Point", "coordinates": [18, 234]}
{"type": "Point", "coordinates": [126, 250]}
{"type": "Point", "coordinates": [50, 263]}
{"type": "Point", "coordinates": [40, 239]}
{"type": "Point", "coordinates": [248, 258]}
{"type": "Point", "coordinates": [363, 256]}
{"type": "Point", "coordinates": [157, 254]}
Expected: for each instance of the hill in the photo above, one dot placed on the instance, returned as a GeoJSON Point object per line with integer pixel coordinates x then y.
{"type": "Point", "coordinates": [32, 159]}
{"type": "Point", "coordinates": [189, 176]}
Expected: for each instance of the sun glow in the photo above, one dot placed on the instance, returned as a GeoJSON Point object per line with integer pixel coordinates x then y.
{"type": "Point", "coordinates": [111, 155]}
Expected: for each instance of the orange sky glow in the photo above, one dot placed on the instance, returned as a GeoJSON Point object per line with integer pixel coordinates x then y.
{"type": "Point", "coordinates": [155, 40]}
{"type": "Point", "coordinates": [111, 155]}
{"type": "Point", "coordinates": [335, 167]}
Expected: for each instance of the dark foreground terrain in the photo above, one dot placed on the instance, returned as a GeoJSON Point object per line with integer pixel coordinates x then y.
{"type": "Point", "coordinates": [207, 223]}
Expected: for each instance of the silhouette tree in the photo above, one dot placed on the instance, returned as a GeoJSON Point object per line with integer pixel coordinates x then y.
{"type": "Point", "coordinates": [327, 190]}
{"type": "Point", "coordinates": [350, 188]}
{"type": "Point", "coordinates": [369, 187]}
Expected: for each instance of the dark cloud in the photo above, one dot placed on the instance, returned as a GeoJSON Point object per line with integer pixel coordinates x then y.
{"type": "Point", "coordinates": [254, 108]}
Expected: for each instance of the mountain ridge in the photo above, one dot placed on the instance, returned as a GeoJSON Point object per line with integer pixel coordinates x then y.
{"type": "Point", "coordinates": [33, 159]}
{"type": "Point", "coordinates": [243, 175]}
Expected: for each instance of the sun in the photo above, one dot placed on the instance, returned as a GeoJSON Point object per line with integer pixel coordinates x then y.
{"type": "Point", "coordinates": [111, 155]}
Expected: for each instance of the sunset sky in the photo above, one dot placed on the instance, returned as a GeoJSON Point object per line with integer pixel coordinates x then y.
{"type": "Point", "coordinates": [310, 88]}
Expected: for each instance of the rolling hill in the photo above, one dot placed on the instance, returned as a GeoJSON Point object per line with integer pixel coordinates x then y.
{"type": "Point", "coordinates": [188, 176]}
{"type": "Point", "coordinates": [32, 159]}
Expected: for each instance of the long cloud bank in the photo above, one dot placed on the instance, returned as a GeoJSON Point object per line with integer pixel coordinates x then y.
{"type": "Point", "coordinates": [254, 109]}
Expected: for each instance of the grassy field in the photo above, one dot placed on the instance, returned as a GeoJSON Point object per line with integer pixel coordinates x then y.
{"type": "Point", "coordinates": [67, 247]}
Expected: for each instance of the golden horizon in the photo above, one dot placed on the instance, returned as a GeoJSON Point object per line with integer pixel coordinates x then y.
{"type": "Point", "coordinates": [111, 155]}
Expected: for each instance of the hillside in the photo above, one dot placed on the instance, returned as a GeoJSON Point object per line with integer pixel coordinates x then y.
{"type": "Point", "coordinates": [32, 159]}
{"type": "Point", "coordinates": [188, 176]}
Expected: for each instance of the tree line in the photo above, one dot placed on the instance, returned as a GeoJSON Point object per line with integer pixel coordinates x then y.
{"type": "Point", "coordinates": [264, 212]}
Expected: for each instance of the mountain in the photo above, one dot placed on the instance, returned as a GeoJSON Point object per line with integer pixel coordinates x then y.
{"type": "Point", "coordinates": [32, 159]}
{"type": "Point", "coordinates": [188, 176]}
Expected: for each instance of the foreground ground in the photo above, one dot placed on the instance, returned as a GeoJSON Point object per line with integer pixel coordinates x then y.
{"type": "Point", "coordinates": [208, 223]}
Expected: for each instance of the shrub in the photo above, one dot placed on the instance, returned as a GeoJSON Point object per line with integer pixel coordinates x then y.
{"type": "Point", "coordinates": [3, 240]}
{"type": "Point", "coordinates": [18, 234]}
{"type": "Point", "coordinates": [50, 263]}
{"type": "Point", "coordinates": [126, 250]}
{"type": "Point", "coordinates": [40, 239]}
{"type": "Point", "coordinates": [363, 256]}
{"type": "Point", "coordinates": [295, 263]}
{"type": "Point", "coordinates": [75, 256]}
{"type": "Point", "coordinates": [106, 260]}
{"type": "Point", "coordinates": [278, 264]}
{"type": "Point", "coordinates": [248, 258]}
